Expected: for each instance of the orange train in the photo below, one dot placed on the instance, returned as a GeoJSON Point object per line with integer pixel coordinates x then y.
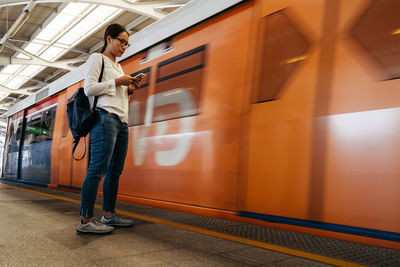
{"type": "Point", "coordinates": [282, 113]}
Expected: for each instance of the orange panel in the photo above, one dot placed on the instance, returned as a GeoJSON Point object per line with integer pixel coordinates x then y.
{"type": "Point", "coordinates": [328, 149]}
{"type": "Point", "coordinates": [55, 178]}
{"type": "Point", "coordinates": [206, 175]}
{"type": "Point", "coordinates": [363, 148]}
{"type": "Point", "coordinates": [279, 137]}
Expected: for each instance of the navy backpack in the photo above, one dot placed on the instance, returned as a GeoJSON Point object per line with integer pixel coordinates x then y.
{"type": "Point", "coordinates": [81, 118]}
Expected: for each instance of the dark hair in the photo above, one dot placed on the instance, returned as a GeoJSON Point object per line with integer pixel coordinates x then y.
{"type": "Point", "coordinates": [113, 30]}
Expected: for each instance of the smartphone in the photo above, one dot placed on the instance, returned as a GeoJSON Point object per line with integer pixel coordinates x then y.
{"type": "Point", "coordinates": [140, 75]}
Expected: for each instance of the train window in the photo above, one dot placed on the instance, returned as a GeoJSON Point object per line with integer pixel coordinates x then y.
{"type": "Point", "coordinates": [178, 87]}
{"type": "Point", "coordinates": [40, 126]}
{"type": "Point", "coordinates": [157, 50]}
{"type": "Point", "coordinates": [7, 142]}
{"type": "Point", "coordinates": [378, 32]}
{"type": "Point", "coordinates": [18, 134]}
{"type": "Point", "coordinates": [11, 148]}
{"type": "Point", "coordinates": [10, 134]}
{"type": "Point", "coordinates": [137, 102]}
{"type": "Point", "coordinates": [283, 47]}
{"type": "Point", "coordinates": [14, 135]}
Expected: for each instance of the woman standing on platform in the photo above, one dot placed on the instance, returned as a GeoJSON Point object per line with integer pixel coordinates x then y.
{"type": "Point", "coordinates": [109, 136]}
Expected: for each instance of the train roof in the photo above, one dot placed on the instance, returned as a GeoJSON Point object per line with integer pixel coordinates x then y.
{"type": "Point", "coordinates": [183, 18]}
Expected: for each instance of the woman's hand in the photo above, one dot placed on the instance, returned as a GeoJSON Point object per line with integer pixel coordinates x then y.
{"type": "Point", "coordinates": [125, 80]}
{"type": "Point", "coordinates": [134, 85]}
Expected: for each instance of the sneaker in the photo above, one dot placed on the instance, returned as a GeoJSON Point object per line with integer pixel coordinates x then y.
{"type": "Point", "coordinates": [94, 227]}
{"type": "Point", "coordinates": [116, 221]}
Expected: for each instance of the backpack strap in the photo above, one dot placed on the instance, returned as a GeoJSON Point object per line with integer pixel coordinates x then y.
{"type": "Point", "coordinates": [100, 78]}
{"type": "Point", "coordinates": [76, 140]}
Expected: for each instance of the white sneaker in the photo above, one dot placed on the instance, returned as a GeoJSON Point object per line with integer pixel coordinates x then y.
{"type": "Point", "coordinates": [116, 221]}
{"type": "Point", "coordinates": [95, 227]}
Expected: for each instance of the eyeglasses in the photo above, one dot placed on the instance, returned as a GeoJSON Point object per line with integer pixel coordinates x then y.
{"type": "Point", "coordinates": [123, 42]}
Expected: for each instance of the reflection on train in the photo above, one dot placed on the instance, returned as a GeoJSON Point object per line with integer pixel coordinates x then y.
{"type": "Point", "coordinates": [283, 113]}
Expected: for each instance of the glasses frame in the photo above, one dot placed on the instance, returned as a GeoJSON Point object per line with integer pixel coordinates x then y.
{"type": "Point", "coordinates": [123, 42]}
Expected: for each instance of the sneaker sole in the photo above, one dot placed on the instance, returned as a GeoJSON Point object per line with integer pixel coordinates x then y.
{"type": "Point", "coordinates": [120, 225]}
{"type": "Point", "coordinates": [93, 232]}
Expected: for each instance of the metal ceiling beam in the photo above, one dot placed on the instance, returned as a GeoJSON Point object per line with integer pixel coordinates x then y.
{"type": "Point", "coordinates": [39, 82]}
{"type": "Point", "coordinates": [17, 91]}
{"type": "Point", "coordinates": [135, 22]}
{"type": "Point", "coordinates": [96, 46]}
{"type": "Point", "coordinates": [26, 90]}
{"type": "Point", "coordinates": [35, 60]}
{"type": "Point", "coordinates": [147, 8]}
{"type": "Point", "coordinates": [4, 107]}
{"type": "Point", "coordinates": [54, 74]}
{"type": "Point", "coordinates": [18, 38]}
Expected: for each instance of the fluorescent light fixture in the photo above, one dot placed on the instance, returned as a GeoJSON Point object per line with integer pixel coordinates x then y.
{"type": "Point", "coordinates": [21, 19]}
{"type": "Point", "coordinates": [168, 6]}
{"type": "Point", "coordinates": [18, 23]}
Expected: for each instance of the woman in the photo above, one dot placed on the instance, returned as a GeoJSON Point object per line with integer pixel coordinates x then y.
{"type": "Point", "coordinates": [109, 136]}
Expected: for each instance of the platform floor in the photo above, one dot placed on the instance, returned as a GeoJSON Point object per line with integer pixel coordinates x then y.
{"type": "Point", "coordinates": [38, 228]}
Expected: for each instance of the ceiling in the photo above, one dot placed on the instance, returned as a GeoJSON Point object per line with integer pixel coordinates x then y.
{"type": "Point", "coordinates": [29, 60]}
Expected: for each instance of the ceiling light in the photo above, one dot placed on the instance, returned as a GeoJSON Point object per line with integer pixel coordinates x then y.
{"type": "Point", "coordinates": [18, 23]}
{"type": "Point", "coordinates": [168, 6]}
{"type": "Point", "coordinates": [21, 19]}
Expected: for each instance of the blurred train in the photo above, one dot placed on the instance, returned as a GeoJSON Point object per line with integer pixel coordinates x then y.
{"type": "Point", "coordinates": [282, 113]}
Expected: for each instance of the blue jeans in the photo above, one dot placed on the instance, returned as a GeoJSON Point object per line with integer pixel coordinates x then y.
{"type": "Point", "coordinates": [109, 145]}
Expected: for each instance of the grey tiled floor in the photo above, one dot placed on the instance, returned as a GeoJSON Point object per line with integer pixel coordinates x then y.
{"type": "Point", "coordinates": [37, 230]}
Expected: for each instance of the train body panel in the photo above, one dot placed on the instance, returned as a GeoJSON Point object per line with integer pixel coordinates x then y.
{"type": "Point", "coordinates": [327, 151]}
{"type": "Point", "coordinates": [284, 111]}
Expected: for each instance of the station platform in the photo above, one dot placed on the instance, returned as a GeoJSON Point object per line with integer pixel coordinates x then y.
{"type": "Point", "coordinates": [38, 228]}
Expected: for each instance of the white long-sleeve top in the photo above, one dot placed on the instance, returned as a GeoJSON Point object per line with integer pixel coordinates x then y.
{"type": "Point", "coordinates": [112, 98]}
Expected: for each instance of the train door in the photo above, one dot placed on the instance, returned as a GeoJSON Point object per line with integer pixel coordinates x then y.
{"type": "Point", "coordinates": [279, 121]}
{"type": "Point", "coordinates": [12, 146]}
{"type": "Point", "coordinates": [36, 147]}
